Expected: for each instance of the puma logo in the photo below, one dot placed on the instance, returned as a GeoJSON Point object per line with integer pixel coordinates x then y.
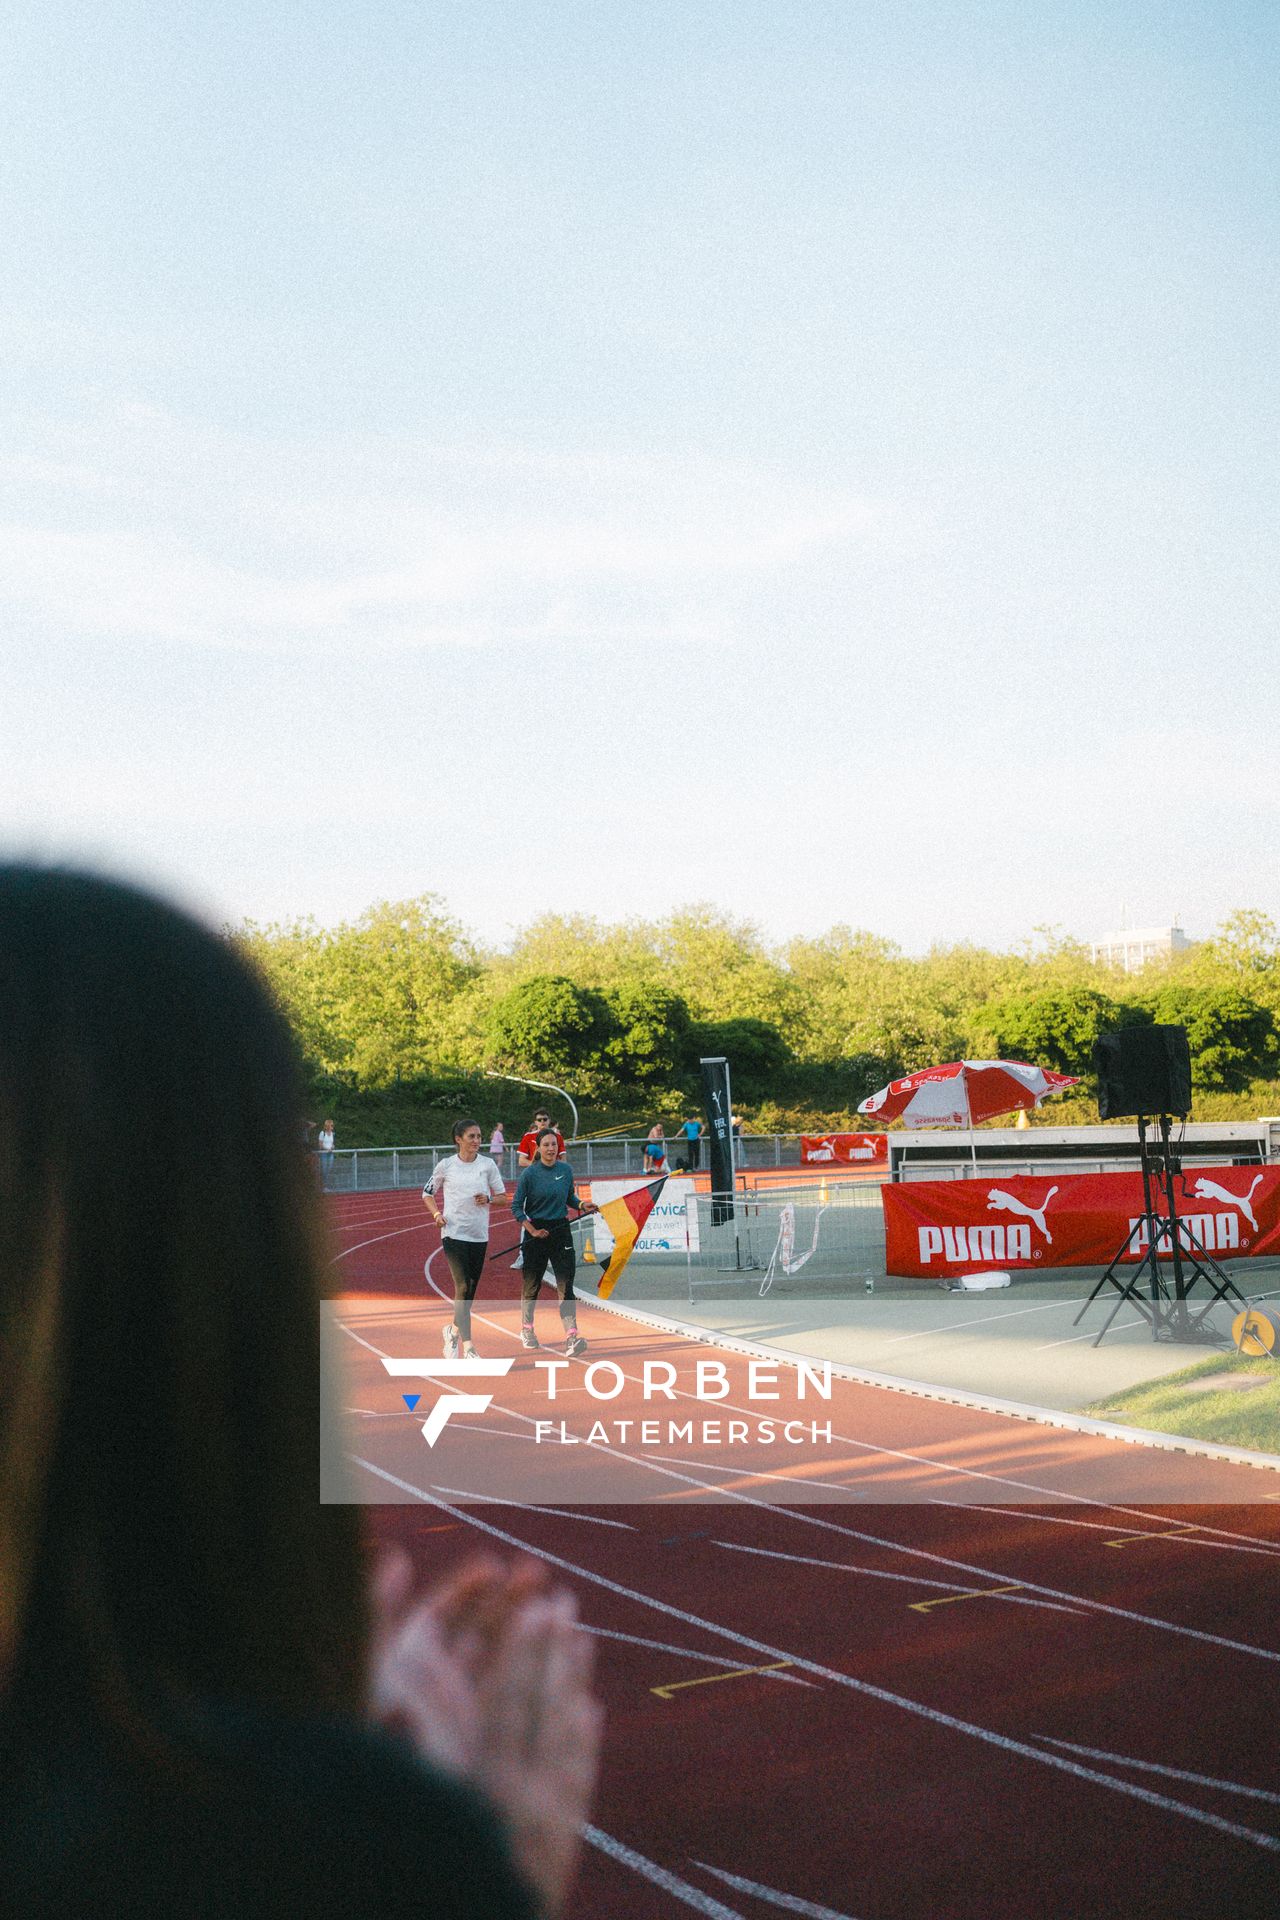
{"type": "Point", "coordinates": [1000, 1202]}
{"type": "Point", "coordinates": [1210, 1190]}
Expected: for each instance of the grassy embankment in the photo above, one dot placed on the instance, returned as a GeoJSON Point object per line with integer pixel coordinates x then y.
{"type": "Point", "coordinates": [1229, 1399]}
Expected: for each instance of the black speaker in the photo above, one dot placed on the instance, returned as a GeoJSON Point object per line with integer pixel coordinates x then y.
{"type": "Point", "coordinates": [1143, 1070]}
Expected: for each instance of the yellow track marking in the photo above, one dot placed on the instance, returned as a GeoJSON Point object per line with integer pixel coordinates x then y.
{"type": "Point", "coordinates": [1166, 1533]}
{"type": "Point", "coordinates": [974, 1593]}
{"type": "Point", "coordinates": [709, 1679]}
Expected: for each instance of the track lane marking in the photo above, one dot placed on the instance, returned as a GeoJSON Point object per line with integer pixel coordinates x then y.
{"type": "Point", "coordinates": [1170, 1773]}
{"type": "Point", "coordinates": [787, 1902]}
{"type": "Point", "coordinates": [684, 1653]}
{"type": "Point", "coordinates": [660, 1876]}
{"type": "Point", "coordinates": [1196, 1530]}
{"type": "Point", "coordinates": [906, 1579]}
{"type": "Point", "coordinates": [713, 1679]}
{"type": "Point", "coordinates": [949, 1600]}
{"type": "Point", "coordinates": [807, 1517]}
{"type": "Point", "coordinates": [950, 1722]}
{"type": "Point", "coordinates": [1134, 1539]}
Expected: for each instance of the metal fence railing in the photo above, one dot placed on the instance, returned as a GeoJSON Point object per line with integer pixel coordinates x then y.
{"type": "Point", "coordinates": [370, 1169]}
{"type": "Point", "coordinates": [791, 1240]}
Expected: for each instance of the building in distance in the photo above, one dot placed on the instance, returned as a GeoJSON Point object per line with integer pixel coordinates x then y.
{"type": "Point", "coordinates": [1136, 947]}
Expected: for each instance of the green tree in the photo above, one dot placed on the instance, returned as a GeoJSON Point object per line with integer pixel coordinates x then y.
{"type": "Point", "coordinates": [722, 970]}
{"type": "Point", "coordinates": [1055, 1029]}
{"type": "Point", "coordinates": [649, 1044]}
{"type": "Point", "coordinates": [549, 1025]}
{"type": "Point", "coordinates": [368, 999]}
{"type": "Point", "coordinates": [1243, 953]}
{"type": "Point", "coordinates": [758, 1055]}
{"type": "Point", "coordinates": [1231, 1038]}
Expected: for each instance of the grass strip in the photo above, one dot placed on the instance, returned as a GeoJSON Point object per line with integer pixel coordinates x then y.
{"type": "Point", "coordinates": [1228, 1399]}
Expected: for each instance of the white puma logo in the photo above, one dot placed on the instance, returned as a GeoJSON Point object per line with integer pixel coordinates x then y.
{"type": "Point", "coordinates": [1000, 1202]}
{"type": "Point", "coordinates": [825, 1152]}
{"type": "Point", "coordinates": [1210, 1190]}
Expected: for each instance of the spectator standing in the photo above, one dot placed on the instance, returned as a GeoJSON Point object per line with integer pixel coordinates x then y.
{"type": "Point", "coordinates": [692, 1131]}
{"type": "Point", "coordinates": [324, 1140]}
{"type": "Point", "coordinates": [527, 1152]}
{"type": "Point", "coordinates": [497, 1143]}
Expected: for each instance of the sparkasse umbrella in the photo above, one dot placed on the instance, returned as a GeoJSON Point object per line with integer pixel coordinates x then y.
{"type": "Point", "coordinates": [965, 1092]}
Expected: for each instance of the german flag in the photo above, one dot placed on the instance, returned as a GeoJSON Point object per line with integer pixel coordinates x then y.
{"type": "Point", "coordinates": [625, 1218]}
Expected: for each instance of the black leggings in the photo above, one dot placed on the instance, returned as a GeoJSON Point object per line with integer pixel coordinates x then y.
{"type": "Point", "coordinates": [466, 1263]}
{"type": "Point", "coordinates": [556, 1252]}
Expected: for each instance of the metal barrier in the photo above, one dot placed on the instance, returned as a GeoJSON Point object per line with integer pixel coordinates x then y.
{"type": "Point", "coordinates": [375, 1169]}
{"type": "Point", "coordinates": [836, 1237]}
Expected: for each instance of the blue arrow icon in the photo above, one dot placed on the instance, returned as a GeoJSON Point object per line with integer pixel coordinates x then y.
{"type": "Point", "coordinates": [411, 1400]}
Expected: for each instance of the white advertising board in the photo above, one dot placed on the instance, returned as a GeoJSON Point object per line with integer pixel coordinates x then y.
{"type": "Point", "coordinates": [671, 1227]}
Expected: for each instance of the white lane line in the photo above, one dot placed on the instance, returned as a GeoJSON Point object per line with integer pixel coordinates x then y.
{"type": "Point", "coordinates": [663, 1646]}
{"type": "Point", "coordinates": [761, 1473]}
{"type": "Point", "coordinates": [906, 1579]}
{"type": "Point", "coordinates": [1123, 1326]}
{"type": "Point", "coordinates": [1170, 1773]}
{"type": "Point", "coordinates": [1235, 1545]}
{"type": "Point", "coordinates": [660, 1876]}
{"type": "Point", "coordinates": [787, 1902]}
{"type": "Point", "coordinates": [982, 1320]}
{"type": "Point", "coordinates": [354, 1222]}
{"type": "Point", "coordinates": [987, 1735]}
{"type": "Point", "coordinates": [419, 1226]}
{"type": "Point", "coordinates": [807, 1517]}
{"type": "Point", "coordinates": [561, 1513]}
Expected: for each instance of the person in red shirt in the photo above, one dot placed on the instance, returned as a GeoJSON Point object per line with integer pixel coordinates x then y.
{"type": "Point", "coordinates": [528, 1149]}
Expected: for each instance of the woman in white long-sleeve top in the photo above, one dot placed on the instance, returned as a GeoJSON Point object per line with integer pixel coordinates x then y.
{"type": "Point", "coordinates": [458, 1197]}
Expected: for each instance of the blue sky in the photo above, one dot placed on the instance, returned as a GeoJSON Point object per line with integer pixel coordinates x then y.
{"type": "Point", "coordinates": [819, 459]}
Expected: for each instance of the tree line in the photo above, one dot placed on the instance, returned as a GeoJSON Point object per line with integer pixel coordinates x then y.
{"type": "Point", "coordinates": [400, 1012]}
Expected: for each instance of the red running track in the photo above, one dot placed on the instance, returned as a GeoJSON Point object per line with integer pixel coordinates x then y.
{"type": "Point", "coordinates": [945, 1706]}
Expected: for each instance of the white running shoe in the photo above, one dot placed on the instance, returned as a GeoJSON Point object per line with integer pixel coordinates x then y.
{"type": "Point", "coordinates": [451, 1342]}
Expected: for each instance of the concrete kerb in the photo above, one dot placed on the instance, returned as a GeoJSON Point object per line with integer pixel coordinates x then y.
{"type": "Point", "coordinates": [952, 1396]}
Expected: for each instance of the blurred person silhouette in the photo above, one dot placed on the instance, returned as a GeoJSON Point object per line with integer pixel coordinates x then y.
{"type": "Point", "coordinates": [207, 1708]}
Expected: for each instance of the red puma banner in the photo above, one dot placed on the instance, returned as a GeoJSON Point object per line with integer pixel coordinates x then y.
{"type": "Point", "coordinates": [856, 1149]}
{"type": "Point", "coordinates": [938, 1228]}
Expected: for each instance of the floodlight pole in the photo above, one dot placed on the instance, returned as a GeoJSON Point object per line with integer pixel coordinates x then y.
{"type": "Point", "coordinates": [545, 1086]}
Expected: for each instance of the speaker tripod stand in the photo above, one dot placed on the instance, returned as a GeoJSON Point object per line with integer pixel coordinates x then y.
{"type": "Point", "coordinates": [1166, 1308]}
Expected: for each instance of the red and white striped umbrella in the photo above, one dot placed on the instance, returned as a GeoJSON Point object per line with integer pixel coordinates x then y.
{"type": "Point", "coordinates": [965, 1092]}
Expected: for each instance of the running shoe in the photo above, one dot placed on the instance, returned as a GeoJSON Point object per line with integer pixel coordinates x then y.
{"type": "Point", "coordinates": [574, 1344]}
{"type": "Point", "coordinates": [451, 1342]}
{"type": "Point", "coordinates": [469, 1351]}
{"type": "Point", "coordinates": [528, 1338]}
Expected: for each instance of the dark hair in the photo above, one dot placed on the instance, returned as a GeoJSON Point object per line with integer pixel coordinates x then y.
{"type": "Point", "coordinates": [162, 1259]}
{"type": "Point", "coordinates": [464, 1126]}
{"type": "Point", "coordinates": [547, 1133]}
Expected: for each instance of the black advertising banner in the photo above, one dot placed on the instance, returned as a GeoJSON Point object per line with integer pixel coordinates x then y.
{"type": "Point", "coordinates": [719, 1110]}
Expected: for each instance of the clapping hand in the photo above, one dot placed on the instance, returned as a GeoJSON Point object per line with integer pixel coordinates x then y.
{"type": "Point", "coordinates": [490, 1678]}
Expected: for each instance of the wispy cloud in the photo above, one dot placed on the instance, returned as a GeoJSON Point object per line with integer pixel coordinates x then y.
{"type": "Point", "coordinates": [143, 527]}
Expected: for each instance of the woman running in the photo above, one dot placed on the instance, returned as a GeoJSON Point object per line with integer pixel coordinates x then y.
{"type": "Point", "coordinates": [467, 1182]}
